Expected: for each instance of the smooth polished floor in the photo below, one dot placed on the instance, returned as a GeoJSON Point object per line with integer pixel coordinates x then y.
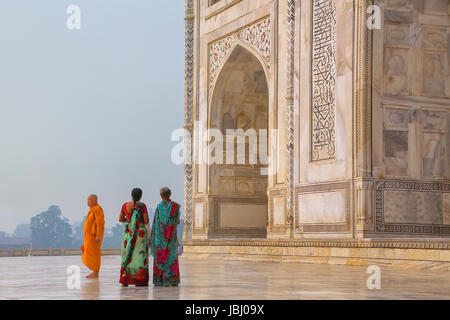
{"type": "Point", "coordinates": [46, 278]}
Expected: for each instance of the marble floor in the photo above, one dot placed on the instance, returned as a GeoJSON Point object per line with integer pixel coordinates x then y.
{"type": "Point", "coordinates": [38, 278]}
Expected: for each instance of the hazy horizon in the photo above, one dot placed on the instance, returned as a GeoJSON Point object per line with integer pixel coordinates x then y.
{"type": "Point", "coordinates": [90, 110]}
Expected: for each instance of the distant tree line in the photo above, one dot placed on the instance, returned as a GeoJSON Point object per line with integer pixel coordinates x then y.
{"type": "Point", "coordinates": [50, 229]}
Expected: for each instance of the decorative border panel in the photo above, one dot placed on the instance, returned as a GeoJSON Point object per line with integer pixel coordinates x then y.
{"type": "Point", "coordinates": [393, 185]}
{"type": "Point", "coordinates": [323, 80]}
{"type": "Point", "coordinates": [332, 243]}
{"type": "Point", "coordinates": [258, 35]}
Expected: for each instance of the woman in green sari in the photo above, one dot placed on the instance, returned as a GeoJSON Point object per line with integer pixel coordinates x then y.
{"type": "Point", "coordinates": [134, 254]}
{"type": "Point", "coordinates": [164, 242]}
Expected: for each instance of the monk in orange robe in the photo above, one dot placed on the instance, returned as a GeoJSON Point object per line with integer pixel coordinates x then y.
{"type": "Point", "coordinates": [94, 228]}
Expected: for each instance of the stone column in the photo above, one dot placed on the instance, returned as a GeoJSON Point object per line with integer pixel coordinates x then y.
{"type": "Point", "coordinates": [290, 117]}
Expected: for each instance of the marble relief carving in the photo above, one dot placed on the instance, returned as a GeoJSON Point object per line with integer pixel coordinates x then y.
{"type": "Point", "coordinates": [414, 51]}
{"type": "Point", "coordinates": [434, 158]}
{"type": "Point", "coordinates": [336, 211]}
{"type": "Point", "coordinates": [396, 152]}
{"type": "Point", "coordinates": [396, 71]}
{"type": "Point", "coordinates": [435, 124]}
{"type": "Point", "coordinates": [415, 63]}
{"type": "Point", "coordinates": [397, 34]}
{"type": "Point", "coordinates": [257, 35]}
{"type": "Point", "coordinates": [435, 38]}
{"type": "Point", "coordinates": [323, 80]}
{"type": "Point", "coordinates": [435, 121]}
{"type": "Point", "coordinates": [396, 118]}
{"type": "Point", "coordinates": [399, 123]}
{"type": "Point", "coordinates": [434, 74]}
{"type": "Point", "coordinates": [396, 122]}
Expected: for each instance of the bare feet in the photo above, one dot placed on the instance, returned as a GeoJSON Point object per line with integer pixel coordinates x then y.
{"type": "Point", "coordinates": [93, 275]}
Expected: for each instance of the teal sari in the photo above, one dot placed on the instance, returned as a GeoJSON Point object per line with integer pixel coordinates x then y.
{"type": "Point", "coordinates": [164, 244]}
{"type": "Point", "coordinates": [134, 254]}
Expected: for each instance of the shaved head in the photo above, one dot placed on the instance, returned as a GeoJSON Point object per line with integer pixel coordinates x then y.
{"type": "Point", "coordinates": [92, 200]}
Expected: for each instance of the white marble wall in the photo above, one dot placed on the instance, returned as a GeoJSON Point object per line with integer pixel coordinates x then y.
{"type": "Point", "coordinates": [411, 105]}
{"type": "Point", "coordinates": [408, 118]}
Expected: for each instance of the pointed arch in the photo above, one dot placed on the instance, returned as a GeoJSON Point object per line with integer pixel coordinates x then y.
{"type": "Point", "coordinates": [237, 186]}
{"type": "Point", "coordinates": [239, 44]}
{"type": "Point", "coordinates": [237, 49]}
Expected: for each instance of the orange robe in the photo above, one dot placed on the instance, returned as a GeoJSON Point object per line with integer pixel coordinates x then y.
{"type": "Point", "coordinates": [93, 227]}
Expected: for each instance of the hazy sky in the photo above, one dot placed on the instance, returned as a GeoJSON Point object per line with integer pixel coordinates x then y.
{"type": "Point", "coordinates": [90, 110]}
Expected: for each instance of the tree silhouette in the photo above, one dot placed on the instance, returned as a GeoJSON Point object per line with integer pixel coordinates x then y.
{"type": "Point", "coordinates": [115, 241]}
{"type": "Point", "coordinates": [22, 231]}
{"type": "Point", "coordinates": [78, 233]}
{"type": "Point", "coordinates": [51, 229]}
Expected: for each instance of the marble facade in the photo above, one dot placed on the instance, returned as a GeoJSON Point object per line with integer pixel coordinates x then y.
{"type": "Point", "coordinates": [361, 115]}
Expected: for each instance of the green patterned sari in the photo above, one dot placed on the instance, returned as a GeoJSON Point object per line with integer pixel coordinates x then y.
{"type": "Point", "coordinates": [134, 267]}
{"type": "Point", "coordinates": [166, 271]}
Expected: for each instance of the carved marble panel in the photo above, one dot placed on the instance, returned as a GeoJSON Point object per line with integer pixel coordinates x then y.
{"type": "Point", "coordinates": [396, 70]}
{"type": "Point", "coordinates": [226, 185]}
{"type": "Point", "coordinates": [396, 152]}
{"type": "Point", "coordinates": [434, 38]}
{"type": "Point", "coordinates": [242, 215]}
{"type": "Point", "coordinates": [396, 118]}
{"type": "Point", "coordinates": [260, 186]}
{"type": "Point", "coordinates": [436, 121]}
{"type": "Point", "coordinates": [397, 35]}
{"type": "Point", "coordinates": [243, 186]}
{"type": "Point", "coordinates": [434, 74]}
{"type": "Point", "coordinates": [322, 207]}
{"type": "Point", "coordinates": [435, 155]}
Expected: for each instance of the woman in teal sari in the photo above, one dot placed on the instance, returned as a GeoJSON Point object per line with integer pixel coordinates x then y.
{"type": "Point", "coordinates": [134, 254]}
{"type": "Point", "coordinates": [164, 242]}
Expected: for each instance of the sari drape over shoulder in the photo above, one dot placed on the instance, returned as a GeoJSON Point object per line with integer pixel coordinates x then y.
{"type": "Point", "coordinates": [94, 227]}
{"type": "Point", "coordinates": [134, 253]}
{"type": "Point", "coordinates": [164, 244]}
